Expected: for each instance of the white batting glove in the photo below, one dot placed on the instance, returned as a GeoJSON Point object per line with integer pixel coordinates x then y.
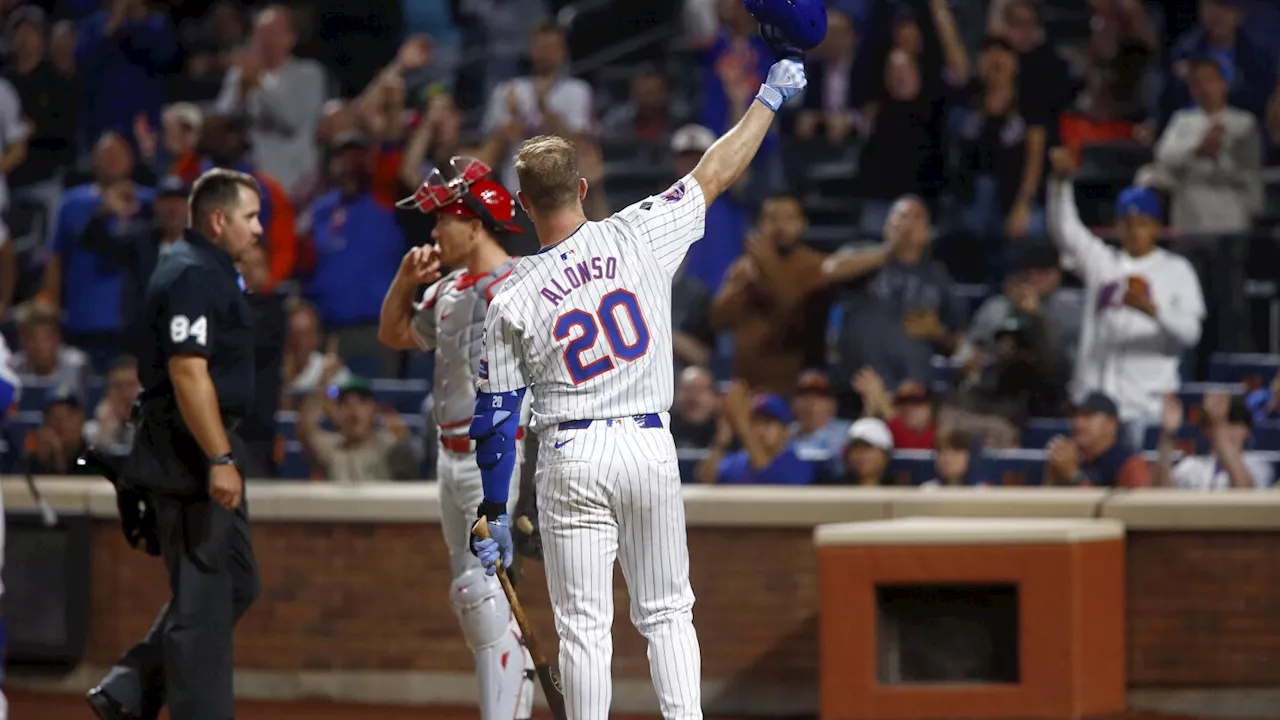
{"type": "Point", "coordinates": [785, 80]}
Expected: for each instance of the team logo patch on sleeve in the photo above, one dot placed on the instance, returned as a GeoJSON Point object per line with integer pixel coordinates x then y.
{"type": "Point", "coordinates": [674, 193]}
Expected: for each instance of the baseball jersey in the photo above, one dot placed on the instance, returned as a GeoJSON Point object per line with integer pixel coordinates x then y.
{"type": "Point", "coordinates": [585, 324]}
{"type": "Point", "coordinates": [450, 321]}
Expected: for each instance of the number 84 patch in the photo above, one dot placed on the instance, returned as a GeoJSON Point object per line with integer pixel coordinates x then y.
{"type": "Point", "coordinates": [182, 328]}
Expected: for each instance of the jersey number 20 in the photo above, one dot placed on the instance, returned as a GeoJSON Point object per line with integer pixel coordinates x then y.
{"type": "Point", "coordinates": [606, 318]}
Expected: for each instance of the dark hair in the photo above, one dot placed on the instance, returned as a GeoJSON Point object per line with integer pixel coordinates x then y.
{"type": "Point", "coordinates": [955, 440]}
{"type": "Point", "coordinates": [218, 189]}
{"type": "Point", "coordinates": [779, 196]}
{"type": "Point", "coordinates": [546, 27]}
{"type": "Point", "coordinates": [124, 362]}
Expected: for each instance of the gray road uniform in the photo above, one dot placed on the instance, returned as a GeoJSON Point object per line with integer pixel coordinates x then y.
{"type": "Point", "coordinates": [450, 322]}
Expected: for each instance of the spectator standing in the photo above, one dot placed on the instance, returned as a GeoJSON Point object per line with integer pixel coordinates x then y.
{"type": "Point", "coordinates": [818, 435]}
{"type": "Point", "coordinates": [87, 285]}
{"type": "Point", "coordinates": [732, 68]}
{"type": "Point", "coordinates": [359, 450]}
{"type": "Point", "coordinates": [1143, 305]}
{"type": "Point", "coordinates": [693, 342]}
{"type": "Point", "coordinates": [225, 143]}
{"type": "Point", "coordinates": [135, 247]}
{"type": "Point", "coordinates": [727, 218]}
{"type": "Point", "coordinates": [905, 107]}
{"type": "Point", "coordinates": [695, 412]}
{"type": "Point", "coordinates": [1249, 68]}
{"type": "Point", "coordinates": [1228, 427]}
{"type": "Point", "coordinates": [1045, 88]}
{"type": "Point", "coordinates": [282, 95]}
{"type": "Point", "coordinates": [765, 300]}
{"type": "Point", "coordinates": [829, 98]}
{"type": "Point", "coordinates": [867, 454]}
{"type": "Point", "coordinates": [546, 101]}
{"type": "Point", "coordinates": [49, 101]}
{"type": "Point", "coordinates": [1214, 153]}
{"type": "Point", "coordinates": [651, 115]}
{"type": "Point", "coordinates": [762, 425]}
{"type": "Point", "coordinates": [1096, 454]}
{"type": "Point", "coordinates": [42, 357]}
{"type": "Point", "coordinates": [1000, 152]}
{"type": "Point", "coordinates": [508, 28]}
{"type": "Point", "coordinates": [110, 431]}
{"type": "Point", "coordinates": [358, 245]}
{"type": "Point", "coordinates": [123, 54]}
{"type": "Point", "coordinates": [895, 306]}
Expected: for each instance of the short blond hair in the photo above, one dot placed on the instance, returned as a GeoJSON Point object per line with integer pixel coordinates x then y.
{"type": "Point", "coordinates": [547, 166]}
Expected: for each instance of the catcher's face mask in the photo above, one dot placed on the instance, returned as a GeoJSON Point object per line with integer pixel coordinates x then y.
{"type": "Point", "coordinates": [438, 193]}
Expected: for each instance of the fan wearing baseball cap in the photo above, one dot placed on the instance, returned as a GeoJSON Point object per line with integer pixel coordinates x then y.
{"type": "Point", "coordinates": [819, 435]}
{"type": "Point", "coordinates": [763, 426]}
{"type": "Point", "coordinates": [1143, 304]}
{"type": "Point", "coordinates": [1096, 454]}
{"type": "Point", "coordinates": [868, 452]}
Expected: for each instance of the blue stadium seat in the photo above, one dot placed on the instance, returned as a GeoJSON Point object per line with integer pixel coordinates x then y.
{"type": "Point", "coordinates": [1266, 435]}
{"type": "Point", "coordinates": [294, 466]}
{"type": "Point", "coordinates": [944, 369]}
{"type": "Point", "coordinates": [421, 366]}
{"type": "Point", "coordinates": [1039, 431]}
{"type": "Point", "coordinates": [1012, 467]}
{"type": "Point", "coordinates": [1253, 370]}
{"type": "Point", "coordinates": [911, 467]}
{"type": "Point", "coordinates": [403, 395]}
{"type": "Point", "coordinates": [34, 397]}
{"type": "Point", "coordinates": [1192, 394]}
{"type": "Point", "coordinates": [365, 366]}
{"type": "Point", "coordinates": [1188, 439]}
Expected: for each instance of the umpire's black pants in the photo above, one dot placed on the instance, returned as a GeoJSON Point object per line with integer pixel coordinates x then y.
{"type": "Point", "coordinates": [185, 660]}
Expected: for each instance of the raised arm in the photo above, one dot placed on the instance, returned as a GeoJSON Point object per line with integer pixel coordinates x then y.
{"type": "Point", "coordinates": [401, 326]}
{"type": "Point", "coordinates": [729, 157]}
{"type": "Point", "coordinates": [1089, 254]}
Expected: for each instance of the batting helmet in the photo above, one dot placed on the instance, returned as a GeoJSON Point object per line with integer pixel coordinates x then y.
{"type": "Point", "coordinates": [471, 194]}
{"type": "Point", "coordinates": [801, 23]}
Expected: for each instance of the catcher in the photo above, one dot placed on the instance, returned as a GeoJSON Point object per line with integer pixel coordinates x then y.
{"type": "Point", "coordinates": [473, 213]}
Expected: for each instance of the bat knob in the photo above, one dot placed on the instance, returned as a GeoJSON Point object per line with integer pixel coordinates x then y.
{"type": "Point", "coordinates": [481, 528]}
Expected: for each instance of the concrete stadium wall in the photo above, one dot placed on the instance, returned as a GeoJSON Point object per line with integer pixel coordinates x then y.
{"type": "Point", "coordinates": [355, 591]}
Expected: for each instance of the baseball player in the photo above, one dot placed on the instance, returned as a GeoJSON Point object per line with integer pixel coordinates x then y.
{"type": "Point", "coordinates": [585, 324]}
{"type": "Point", "coordinates": [473, 211]}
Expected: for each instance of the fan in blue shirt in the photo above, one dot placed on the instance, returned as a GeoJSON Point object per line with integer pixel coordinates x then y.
{"type": "Point", "coordinates": [768, 456]}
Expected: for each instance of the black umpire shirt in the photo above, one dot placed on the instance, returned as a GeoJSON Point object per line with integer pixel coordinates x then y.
{"type": "Point", "coordinates": [194, 305]}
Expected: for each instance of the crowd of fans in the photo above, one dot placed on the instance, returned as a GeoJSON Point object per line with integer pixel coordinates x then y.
{"type": "Point", "coordinates": [822, 331]}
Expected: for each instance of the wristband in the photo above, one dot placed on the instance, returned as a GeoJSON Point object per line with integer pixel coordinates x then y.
{"type": "Point", "coordinates": [223, 459]}
{"type": "Point", "coordinates": [770, 97]}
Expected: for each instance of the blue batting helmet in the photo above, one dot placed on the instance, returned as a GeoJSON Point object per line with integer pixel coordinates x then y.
{"type": "Point", "coordinates": [803, 23]}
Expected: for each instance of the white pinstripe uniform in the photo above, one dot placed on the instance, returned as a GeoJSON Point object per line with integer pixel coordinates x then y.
{"type": "Point", "coordinates": [586, 325]}
{"type": "Point", "coordinates": [450, 321]}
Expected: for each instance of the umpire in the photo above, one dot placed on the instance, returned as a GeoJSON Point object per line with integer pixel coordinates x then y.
{"type": "Point", "coordinates": [196, 360]}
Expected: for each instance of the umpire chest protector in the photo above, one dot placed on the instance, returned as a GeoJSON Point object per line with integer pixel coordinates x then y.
{"type": "Point", "coordinates": [194, 305]}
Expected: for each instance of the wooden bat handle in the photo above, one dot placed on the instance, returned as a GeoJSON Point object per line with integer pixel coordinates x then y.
{"type": "Point", "coordinates": [550, 685]}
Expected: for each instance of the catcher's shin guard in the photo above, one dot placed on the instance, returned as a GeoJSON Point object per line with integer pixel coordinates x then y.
{"type": "Point", "coordinates": [503, 666]}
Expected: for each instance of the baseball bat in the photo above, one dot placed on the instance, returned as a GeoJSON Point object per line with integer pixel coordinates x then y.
{"type": "Point", "coordinates": [47, 515]}
{"type": "Point", "coordinates": [546, 675]}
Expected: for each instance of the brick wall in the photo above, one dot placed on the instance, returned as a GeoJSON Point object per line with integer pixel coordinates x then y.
{"type": "Point", "coordinates": [1203, 606]}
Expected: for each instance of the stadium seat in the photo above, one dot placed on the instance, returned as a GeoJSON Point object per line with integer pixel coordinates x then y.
{"type": "Point", "coordinates": [1189, 439]}
{"type": "Point", "coordinates": [1266, 435]}
{"type": "Point", "coordinates": [1011, 467]}
{"type": "Point", "coordinates": [365, 366]}
{"type": "Point", "coordinates": [421, 366]}
{"type": "Point", "coordinates": [403, 395]}
{"type": "Point", "coordinates": [1037, 433]}
{"type": "Point", "coordinates": [1253, 370]}
{"type": "Point", "coordinates": [295, 465]}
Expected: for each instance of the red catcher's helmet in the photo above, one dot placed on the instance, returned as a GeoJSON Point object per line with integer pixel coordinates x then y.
{"type": "Point", "coordinates": [472, 194]}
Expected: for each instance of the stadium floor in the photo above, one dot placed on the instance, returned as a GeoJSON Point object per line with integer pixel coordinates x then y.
{"type": "Point", "coordinates": [44, 706]}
